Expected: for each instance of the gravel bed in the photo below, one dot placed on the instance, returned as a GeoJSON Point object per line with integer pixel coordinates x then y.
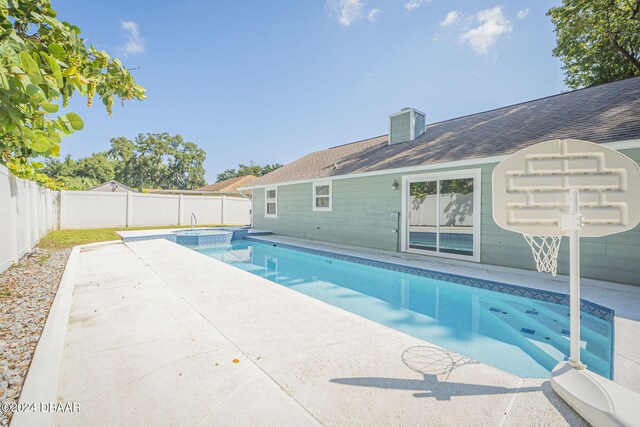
{"type": "Point", "coordinates": [26, 292]}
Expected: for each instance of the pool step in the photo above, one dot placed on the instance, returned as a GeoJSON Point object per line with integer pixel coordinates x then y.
{"type": "Point", "coordinates": [598, 344]}
{"type": "Point", "coordinates": [536, 333]}
{"type": "Point", "coordinates": [515, 337]}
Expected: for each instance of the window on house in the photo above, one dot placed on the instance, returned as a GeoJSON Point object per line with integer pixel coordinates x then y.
{"type": "Point", "coordinates": [271, 202]}
{"type": "Point", "coordinates": [322, 196]}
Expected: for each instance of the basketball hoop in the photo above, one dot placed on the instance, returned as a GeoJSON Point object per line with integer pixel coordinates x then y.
{"type": "Point", "coordinates": [545, 251]}
{"type": "Point", "coordinates": [576, 189]}
{"type": "Point", "coordinates": [567, 188]}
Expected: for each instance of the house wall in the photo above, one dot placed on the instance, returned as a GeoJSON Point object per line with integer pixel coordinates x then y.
{"type": "Point", "coordinates": [363, 215]}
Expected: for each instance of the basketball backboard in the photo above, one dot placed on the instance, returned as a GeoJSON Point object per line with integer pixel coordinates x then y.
{"type": "Point", "coordinates": [531, 189]}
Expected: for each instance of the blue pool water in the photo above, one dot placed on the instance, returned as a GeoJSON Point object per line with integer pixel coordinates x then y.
{"type": "Point", "coordinates": [525, 336]}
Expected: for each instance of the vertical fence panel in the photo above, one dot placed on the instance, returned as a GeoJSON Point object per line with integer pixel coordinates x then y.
{"type": "Point", "coordinates": [27, 212]}
{"type": "Point", "coordinates": [93, 209]}
{"type": "Point", "coordinates": [7, 221]}
{"type": "Point", "coordinates": [154, 209]}
{"type": "Point", "coordinates": [237, 211]}
{"type": "Point", "coordinates": [206, 209]}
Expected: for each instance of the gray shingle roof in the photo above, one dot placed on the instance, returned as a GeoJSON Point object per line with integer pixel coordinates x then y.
{"type": "Point", "coordinates": [605, 113]}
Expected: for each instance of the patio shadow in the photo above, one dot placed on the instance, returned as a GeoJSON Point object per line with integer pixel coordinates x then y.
{"type": "Point", "coordinates": [429, 386]}
{"type": "Point", "coordinates": [432, 361]}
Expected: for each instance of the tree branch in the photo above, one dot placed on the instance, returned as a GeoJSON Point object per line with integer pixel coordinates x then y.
{"type": "Point", "coordinates": [613, 38]}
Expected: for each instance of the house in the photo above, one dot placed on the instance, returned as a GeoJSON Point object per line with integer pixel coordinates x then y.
{"type": "Point", "coordinates": [228, 187]}
{"type": "Point", "coordinates": [426, 189]}
{"type": "Point", "coordinates": [113, 186]}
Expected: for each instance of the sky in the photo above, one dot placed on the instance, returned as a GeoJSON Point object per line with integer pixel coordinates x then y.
{"type": "Point", "coordinates": [271, 81]}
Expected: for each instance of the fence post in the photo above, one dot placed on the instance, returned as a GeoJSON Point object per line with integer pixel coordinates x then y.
{"type": "Point", "coordinates": [61, 219]}
{"type": "Point", "coordinates": [222, 216]}
{"type": "Point", "coordinates": [13, 216]}
{"type": "Point", "coordinates": [180, 209]}
{"type": "Point", "coordinates": [129, 209]}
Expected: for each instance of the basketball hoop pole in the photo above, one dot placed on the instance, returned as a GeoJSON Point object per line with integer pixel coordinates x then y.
{"type": "Point", "coordinates": [574, 224]}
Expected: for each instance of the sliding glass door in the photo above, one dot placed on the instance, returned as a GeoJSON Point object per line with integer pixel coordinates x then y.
{"type": "Point", "coordinates": [441, 215]}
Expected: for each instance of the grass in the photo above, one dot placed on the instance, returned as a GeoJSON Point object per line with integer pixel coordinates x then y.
{"type": "Point", "coordinates": [63, 239]}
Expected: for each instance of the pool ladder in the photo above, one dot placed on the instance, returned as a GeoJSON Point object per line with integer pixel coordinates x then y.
{"type": "Point", "coordinates": [194, 221]}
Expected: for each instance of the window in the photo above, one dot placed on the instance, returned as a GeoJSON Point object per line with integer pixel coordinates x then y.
{"type": "Point", "coordinates": [271, 202]}
{"type": "Point", "coordinates": [322, 196]}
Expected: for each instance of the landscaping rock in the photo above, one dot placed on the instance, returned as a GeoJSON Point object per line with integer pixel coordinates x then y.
{"type": "Point", "coordinates": [26, 292]}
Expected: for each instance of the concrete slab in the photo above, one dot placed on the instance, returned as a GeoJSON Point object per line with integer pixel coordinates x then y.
{"type": "Point", "coordinates": [134, 344]}
{"type": "Point", "coordinates": [154, 342]}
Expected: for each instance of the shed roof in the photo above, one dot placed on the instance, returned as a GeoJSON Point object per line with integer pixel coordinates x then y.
{"type": "Point", "coordinates": [600, 114]}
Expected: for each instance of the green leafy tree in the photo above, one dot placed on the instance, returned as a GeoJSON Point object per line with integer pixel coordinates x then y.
{"type": "Point", "coordinates": [78, 183]}
{"type": "Point", "coordinates": [158, 161]}
{"type": "Point", "coordinates": [244, 170]}
{"type": "Point", "coordinates": [123, 159]}
{"type": "Point", "coordinates": [598, 40]}
{"type": "Point", "coordinates": [55, 168]}
{"type": "Point", "coordinates": [151, 161]}
{"type": "Point", "coordinates": [227, 174]}
{"type": "Point", "coordinates": [44, 61]}
{"type": "Point", "coordinates": [185, 169]}
{"type": "Point", "coordinates": [250, 169]}
{"type": "Point", "coordinates": [96, 167]}
{"type": "Point", "coordinates": [94, 170]}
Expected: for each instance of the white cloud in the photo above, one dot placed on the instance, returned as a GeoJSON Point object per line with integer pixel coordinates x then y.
{"type": "Point", "coordinates": [492, 25]}
{"type": "Point", "coordinates": [345, 11]}
{"type": "Point", "coordinates": [414, 4]}
{"type": "Point", "coordinates": [450, 19]}
{"type": "Point", "coordinates": [135, 43]}
{"type": "Point", "coordinates": [522, 13]}
{"type": "Point", "coordinates": [372, 16]}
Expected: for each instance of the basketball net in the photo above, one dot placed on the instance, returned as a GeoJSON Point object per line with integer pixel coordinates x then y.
{"type": "Point", "coordinates": [545, 251]}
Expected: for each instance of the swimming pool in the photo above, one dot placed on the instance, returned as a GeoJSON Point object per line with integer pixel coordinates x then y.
{"type": "Point", "coordinates": [519, 330]}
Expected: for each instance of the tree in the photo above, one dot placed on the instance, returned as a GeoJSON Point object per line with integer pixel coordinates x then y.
{"type": "Point", "coordinates": [43, 61]}
{"type": "Point", "coordinates": [598, 40]}
{"type": "Point", "coordinates": [151, 161]}
{"type": "Point", "coordinates": [158, 161]}
{"type": "Point", "coordinates": [244, 170]}
{"type": "Point", "coordinates": [93, 170]}
{"type": "Point", "coordinates": [79, 183]}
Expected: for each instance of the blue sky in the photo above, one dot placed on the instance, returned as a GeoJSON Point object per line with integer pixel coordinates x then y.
{"type": "Point", "coordinates": [270, 81]}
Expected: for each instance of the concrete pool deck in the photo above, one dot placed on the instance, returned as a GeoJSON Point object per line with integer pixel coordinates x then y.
{"type": "Point", "coordinates": [154, 329]}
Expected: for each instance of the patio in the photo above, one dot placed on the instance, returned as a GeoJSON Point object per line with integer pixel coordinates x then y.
{"type": "Point", "coordinates": [154, 329]}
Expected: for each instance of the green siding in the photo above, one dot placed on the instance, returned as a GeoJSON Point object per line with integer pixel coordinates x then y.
{"type": "Point", "coordinates": [363, 216]}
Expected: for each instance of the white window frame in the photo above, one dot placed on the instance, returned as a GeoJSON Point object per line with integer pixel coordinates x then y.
{"type": "Point", "coordinates": [314, 196]}
{"type": "Point", "coordinates": [267, 201]}
{"type": "Point", "coordinates": [476, 174]}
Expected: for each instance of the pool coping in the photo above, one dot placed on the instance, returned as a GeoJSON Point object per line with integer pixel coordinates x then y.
{"type": "Point", "coordinates": [43, 375]}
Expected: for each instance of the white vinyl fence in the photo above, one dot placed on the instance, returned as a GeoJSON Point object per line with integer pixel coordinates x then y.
{"type": "Point", "coordinates": [27, 212]}
{"type": "Point", "coordinates": [93, 209]}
